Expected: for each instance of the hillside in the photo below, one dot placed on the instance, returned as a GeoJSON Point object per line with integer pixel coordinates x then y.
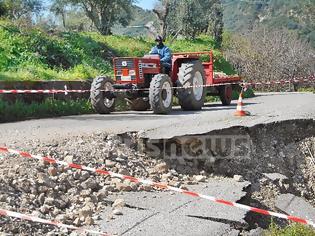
{"type": "Point", "coordinates": [243, 15]}
{"type": "Point", "coordinates": [294, 15]}
{"type": "Point", "coordinates": [37, 55]}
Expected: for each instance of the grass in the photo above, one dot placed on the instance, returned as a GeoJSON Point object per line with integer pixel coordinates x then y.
{"type": "Point", "coordinates": [309, 90]}
{"type": "Point", "coordinates": [18, 110]}
{"type": "Point", "coordinates": [291, 230]}
{"type": "Point", "coordinates": [33, 54]}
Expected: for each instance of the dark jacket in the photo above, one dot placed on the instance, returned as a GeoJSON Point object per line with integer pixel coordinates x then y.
{"type": "Point", "coordinates": [164, 52]}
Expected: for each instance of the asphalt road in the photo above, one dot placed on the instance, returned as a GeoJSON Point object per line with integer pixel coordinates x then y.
{"type": "Point", "coordinates": [264, 108]}
{"type": "Point", "coordinates": [165, 213]}
{"type": "Point", "coordinates": [162, 213]}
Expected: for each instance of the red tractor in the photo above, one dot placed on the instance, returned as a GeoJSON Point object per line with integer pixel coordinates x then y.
{"type": "Point", "coordinates": [144, 83]}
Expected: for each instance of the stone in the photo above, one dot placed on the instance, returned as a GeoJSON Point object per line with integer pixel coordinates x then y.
{"type": "Point", "coordinates": [37, 214]}
{"type": "Point", "coordinates": [146, 188]}
{"type": "Point", "coordinates": [60, 204]}
{"type": "Point", "coordinates": [110, 163]}
{"type": "Point", "coordinates": [119, 203]}
{"type": "Point", "coordinates": [86, 192]}
{"type": "Point", "coordinates": [134, 186]}
{"type": "Point", "coordinates": [89, 221]}
{"type": "Point", "coordinates": [123, 187]}
{"type": "Point", "coordinates": [174, 184]}
{"type": "Point", "coordinates": [238, 178]}
{"type": "Point", "coordinates": [45, 180]}
{"type": "Point", "coordinates": [60, 218]}
{"type": "Point", "coordinates": [49, 201]}
{"type": "Point", "coordinates": [109, 217]}
{"type": "Point", "coordinates": [52, 171]}
{"type": "Point", "coordinates": [281, 154]}
{"type": "Point", "coordinates": [90, 184]}
{"type": "Point", "coordinates": [124, 172]}
{"type": "Point", "coordinates": [166, 176]}
{"type": "Point", "coordinates": [200, 178]}
{"type": "Point", "coordinates": [184, 188]}
{"type": "Point", "coordinates": [102, 194]}
{"type": "Point", "coordinates": [275, 177]}
{"type": "Point", "coordinates": [256, 232]}
{"type": "Point", "coordinates": [68, 159]}
{"type": "Point", "coordinates": [120, 159]}
{"type": "Point", "coordinates": [109, 188]}
{"type": "Point", "coordinates": [44, 209]}
{"type": "Point", "coordinates": [85, 175]}
{"type": "Point", "coordinates": [41, 198]}
{"type": "Point", "coordinates": [116, 180]}
{"type": "Point", "coordinates": [117, 212]}
{"type": "Point", "coordinates": [296, 206]}
{"type": "Point", "coordinates": [161, 168]}
{"type": "Point", "coordinates": [77, 175]}
{"type": "Point", "coordinates": [77, 222]}
{"type": "Point", "coordinates": [85, 212]}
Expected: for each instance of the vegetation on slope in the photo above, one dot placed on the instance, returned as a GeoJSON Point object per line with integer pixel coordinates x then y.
{"type": "Point", "coordinates": [273, 14]}
{"type": "Point", "coordinates": [33, 54]}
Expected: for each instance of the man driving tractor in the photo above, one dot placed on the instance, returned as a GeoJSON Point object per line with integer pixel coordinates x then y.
{"type": "Point", "coordinates": [164, 52]}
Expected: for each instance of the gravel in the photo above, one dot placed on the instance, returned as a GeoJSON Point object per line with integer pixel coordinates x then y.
{"type": "Point", "coordinates": [73, 196]}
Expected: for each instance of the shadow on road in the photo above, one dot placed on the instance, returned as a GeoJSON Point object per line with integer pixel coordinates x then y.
{"type": "Point", "coordinates": [148, 115]}
{"type": "Point", "coordinates": [233, 224]}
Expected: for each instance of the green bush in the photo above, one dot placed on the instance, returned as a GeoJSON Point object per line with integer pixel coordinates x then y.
{"type": "Point", "coordinates": [291, 230]}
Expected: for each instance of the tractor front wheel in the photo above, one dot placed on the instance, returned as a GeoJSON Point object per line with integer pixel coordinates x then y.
{"type": "Point", "coordinates": [100, 102]}
{"type": "Point", "coordinates": [161, 94]}
{"type": "Point", "coordinates": [192, 80]}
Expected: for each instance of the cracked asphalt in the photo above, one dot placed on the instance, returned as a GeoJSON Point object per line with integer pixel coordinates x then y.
{"type": "Point", "coordinates": [163, 213]}
{"type": "Point", "coordinates": [166, 213]}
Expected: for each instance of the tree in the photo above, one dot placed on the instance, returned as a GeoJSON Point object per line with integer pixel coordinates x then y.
{"type": "Point", "coordinates": [270, 55]}
{"type": "Point", "coordinates": [105, 13]}
{"type": "Point", "coordinates": [3, 10]}
{"type": "Point", "coordinates": [161, 11]}
{"type": "Point", "coordinates": [22, 8]}
{"type": "Point", "coordinates": [191, 18]}
{"type": "Point", "coordinates": [218, 23]}
{"type": "Point", "coordinates": [59, 8]}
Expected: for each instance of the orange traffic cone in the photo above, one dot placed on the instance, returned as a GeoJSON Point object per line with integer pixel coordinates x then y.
{"type": "Point", "coordinates": [239, 109]}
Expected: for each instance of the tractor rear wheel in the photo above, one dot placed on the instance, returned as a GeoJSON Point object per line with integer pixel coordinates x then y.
{"type": "Point", "coordinates": [139, 104]}
{"type": "Point", "coordinates": [225, 92]}
{"type": "Point", "coordinates": [191, 74]}
{"type": "Point", "coordinates": [100, 102]}
{"type": "Point", "coordinates": [161, 94]}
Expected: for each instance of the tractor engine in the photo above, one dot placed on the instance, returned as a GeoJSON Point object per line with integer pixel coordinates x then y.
{"type": "Point", "coordinates": [136, 71]}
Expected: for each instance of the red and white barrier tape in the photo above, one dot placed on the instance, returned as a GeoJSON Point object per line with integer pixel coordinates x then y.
{"type": "Point", "coordinates": [159, 185]}
{"type": "Point", "coordinates": [49, 222]}
{"type": "Point", "coordinates": [66, 91]}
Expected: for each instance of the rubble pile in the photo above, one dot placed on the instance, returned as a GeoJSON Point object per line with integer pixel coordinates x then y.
{"type": "Point", "coordinates": [74, 196]}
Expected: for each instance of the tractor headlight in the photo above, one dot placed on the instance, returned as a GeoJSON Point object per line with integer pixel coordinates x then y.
{"type": "Point", "coordinates": [132, 72]}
